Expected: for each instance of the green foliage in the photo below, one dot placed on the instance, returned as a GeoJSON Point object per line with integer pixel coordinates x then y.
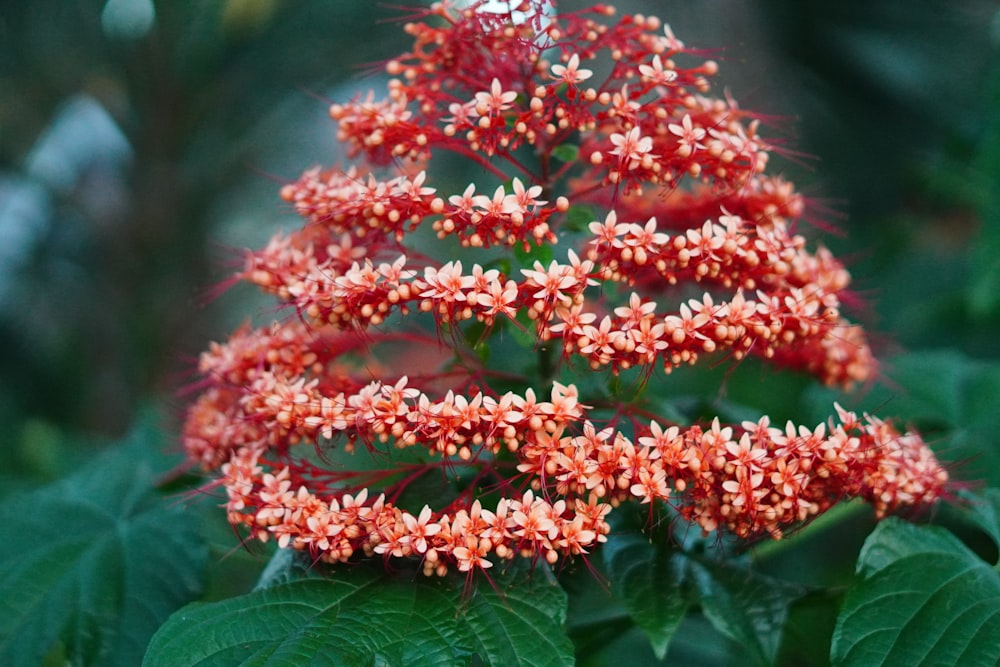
{"type": "Point", "coordinates": [650, 581]}
{"type": "Point", "coordinates": [921, 598]}
{"type": "Point", "coordinates": [536, 253]}
{"type": "Point", "coordinates": [659, 585]}
{"type": "Point", "coordinates": [122, 161]}
{"type": "Point", "coordinates": [566, 152]}
{"type": "Point", "coordinates": [97, 561]}
{"type": "Point", "coordinates": [578, 218]}
{"type": "Point", "coordinates": [364, 615]}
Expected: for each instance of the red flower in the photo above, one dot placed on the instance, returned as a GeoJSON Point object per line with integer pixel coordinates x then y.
{"type": "Point", "coordinates": [404, 340]}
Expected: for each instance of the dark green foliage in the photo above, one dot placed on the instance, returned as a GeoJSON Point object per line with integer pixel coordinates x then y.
{"type": "Point", "coordinates": [90, 566]}
{"type": "Point", "coordinates": [363, 615]}
{"type": "Point", "coordinates": [921, 598]}
{"type": "Point", "coordinates": [659, 585]}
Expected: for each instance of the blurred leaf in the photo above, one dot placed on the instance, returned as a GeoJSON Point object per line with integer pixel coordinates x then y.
{"type": "Point", "coordinates": [984, 510]}
{"type": "Point", "coordinates": [578, 218]}
{"type": "Point", "coordinates": [748, 608]}
{"type": "Point", "coordinates": [658, 584]}
{"type": "Point", "coordinates": [595, 618]}
{"type": "Point", "coordinates": [950, 398]}
{"type": "Point", "coordinates": [566, 152]}
{"type": "Point", "coordinates": [536, 253]}
{"type": "Point", "coordinates": [363, 615]}
{"type": "Point", "coordinates": [898, 80]}
{"type": "Point", "coordinates": [649, 579]}
{"type": "Point", "coordinates": [974, 518]}
{"type": "Point", "coordinates": [285, 566]}
{"type": "Point", "coordinates": [100, 560]}
{"type": "Point", "coordinates": [932, 386]}
{"type": "Point", "coordinates": [696, 642]}
{"type": "Point", "coordinates": [984, 297]}
{"type": "Point", "coordinates": [921, 598]}
{"type": "Point", "coordinates": [805, 639]}
{"type": "Point", "coordinates": [821, 554]}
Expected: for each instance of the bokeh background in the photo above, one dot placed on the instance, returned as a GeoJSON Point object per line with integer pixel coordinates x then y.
{"type": "Point", "coordinates": [143, 143]}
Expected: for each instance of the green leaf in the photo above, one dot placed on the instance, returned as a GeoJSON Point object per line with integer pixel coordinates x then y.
{"type": "Point", "coordinates": [363, 615]}
{"type": "Point", "coordinates": [474, 335]}
{"type": "Point", "coordinates": [95, 563]}
{"type": "Point", "coordinates": [566, 152]}
{"type": "Point", "coordinates": [805, 639]}
{"type": "Point", "coordinates": [984, 511]}
{"type": "Point", "coordinates": [749, 608]}
{"type": "Point", "coordinates": [649, 579]}
{"type": "Point", "coordinates": [284, 567]}
{"type": "Point", "coordinates": [578, 218]}
{"type": "Point", "coordinates": [931, 385]}
{"type": "Point", "coordinates": [895, 540]}
{"type": "Point", "coordinates": [658, 584]}
{"type": "Point", "coordinates": [920, 598]}
{"type": "Point", "coordinates": [947, 387]}
{"type": "Point", "coordinates": [541, 253]}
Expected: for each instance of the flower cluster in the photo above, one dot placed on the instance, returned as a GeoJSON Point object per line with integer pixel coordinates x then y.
{"type": "Point", "coordinates": [624, 225]}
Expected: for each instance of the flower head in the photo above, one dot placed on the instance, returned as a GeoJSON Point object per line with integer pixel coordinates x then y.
{"type": "Point", "coordinates": [469, 324]}
{"type": "Point", "coordinates": [570, 72]}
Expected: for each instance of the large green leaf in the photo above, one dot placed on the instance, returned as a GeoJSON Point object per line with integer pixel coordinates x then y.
{"type": "Point", "coordinates": [90, 566]}
{"type": "Point", "coordinates": [658, 583]}
{"type": "Point", "coordinates": [649, 579]}
{"type": "Point", "coordinates": [749, 608]}
{"type": "Point", "coordinates": [364, 615]}
{"type": "Point", "coordinates": [921, 598]}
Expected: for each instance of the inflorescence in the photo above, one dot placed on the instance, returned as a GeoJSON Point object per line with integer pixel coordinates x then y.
{"type": "Point", "coordinates": [400, 289]}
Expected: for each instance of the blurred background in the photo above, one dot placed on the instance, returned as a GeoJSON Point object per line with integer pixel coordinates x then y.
{"type": "Point", "coordinates": [143, 142]}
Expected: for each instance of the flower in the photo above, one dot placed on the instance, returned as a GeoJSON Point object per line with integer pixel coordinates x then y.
{"type": "Point", "coordinates": [656, 73]}
{"type": "Point", "coordinates": [419, 530]}
{"type": "Point", "coordinates": [496, 100]}
{"type": "Point", "coordinates": [571, 72]}
{"type": "Point", "coordinates": [631, 148]}
{"type": "Point", "coordinates": [688, 136]}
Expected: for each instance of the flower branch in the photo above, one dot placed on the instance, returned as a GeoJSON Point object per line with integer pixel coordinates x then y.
{"type": "Point", "coordinates": [386, 345]}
